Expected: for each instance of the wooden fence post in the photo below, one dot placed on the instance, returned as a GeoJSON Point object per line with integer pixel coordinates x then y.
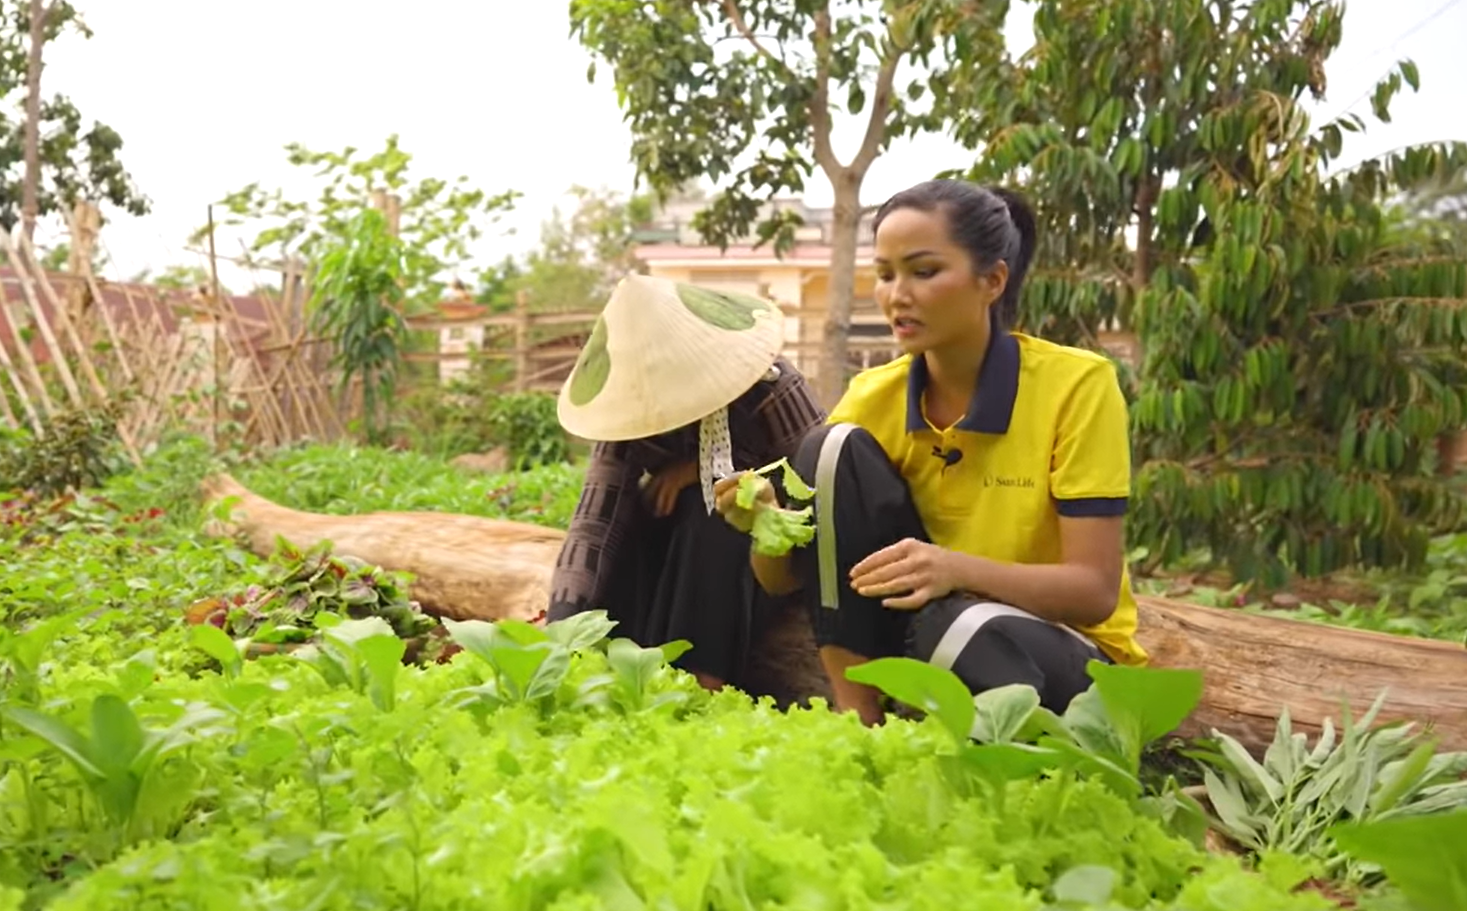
{"type": "Point", "coordinates": [217, 335]}
{"type": "Point", "coordinates": [521, 341]}
{"type": "Point", "coordinates": [84, 225]}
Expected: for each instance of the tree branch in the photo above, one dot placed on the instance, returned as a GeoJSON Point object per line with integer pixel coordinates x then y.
{"type": "Point", "coordinates": [736, 17]}
{"type": "Point", "coordinates": [820, 100]}
{"type": "Point", "coordinates": [880, 109]}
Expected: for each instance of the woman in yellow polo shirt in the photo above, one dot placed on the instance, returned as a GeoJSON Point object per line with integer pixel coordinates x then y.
{"type": "Point", "coordinates": [971, 494]}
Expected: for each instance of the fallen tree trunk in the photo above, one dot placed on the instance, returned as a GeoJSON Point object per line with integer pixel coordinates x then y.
{"type": "Point", "coordinates": [1253, 667]}
{"type": "Point", "coordinates": [465, 567]}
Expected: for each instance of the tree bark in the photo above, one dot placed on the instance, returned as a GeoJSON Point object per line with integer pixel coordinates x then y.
{"type": "Point", "coordinates": [1145, 206]}
{"type": "Point", "coordinates": [1254, 667]}
{"type": "Point", "coordinates": [30, 205]}
{"type": "Point", "coordinates": [465, 567]}
{"type": "Point", "coordinates": [844, 230]}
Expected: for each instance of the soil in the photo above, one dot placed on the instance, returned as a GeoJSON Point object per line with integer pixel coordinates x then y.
{"type": "Point", "coordinates": [1318, 592]}
{"type": "Point", "coordinates": [1329, 891]}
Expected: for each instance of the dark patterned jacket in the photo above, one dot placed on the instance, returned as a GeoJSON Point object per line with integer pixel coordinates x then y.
{"type": "Point", "coordinates": [765, 424]}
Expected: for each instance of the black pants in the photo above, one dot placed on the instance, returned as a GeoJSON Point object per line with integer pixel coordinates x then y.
{"type": "Point", "coordinates": [987, 645]}
{"type": "Point", "coordinates": [687, 576]}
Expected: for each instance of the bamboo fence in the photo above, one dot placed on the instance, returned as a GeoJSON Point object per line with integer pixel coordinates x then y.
{"type": "Point", "coordinates": [540, 347]}
{"type": "Point", "coordinates": [205, 363]}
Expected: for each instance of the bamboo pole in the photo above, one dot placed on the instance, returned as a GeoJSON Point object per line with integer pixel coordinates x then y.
{"type": "Point", "coordinates": [13, 375]}
{"type": "Point", "coordinates": [10, 420]}
{"type": "Point", "coordinates": [68, 330]}
{"type": "Point", "coordinates": [321, 401]}
{"type": "Point", "coordinates": [23, 351]}
{"type": "Point", "coordinates": [218, 332]}
{"type": "Point", "coordinates": [521, 340]}
{"type": "Point", "coordinates": [43, 325]}
{"type": "Point", "coordinates": [293, 371]}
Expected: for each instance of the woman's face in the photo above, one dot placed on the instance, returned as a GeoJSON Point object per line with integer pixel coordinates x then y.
{"type": "Point", "coordinates": [926, 286]}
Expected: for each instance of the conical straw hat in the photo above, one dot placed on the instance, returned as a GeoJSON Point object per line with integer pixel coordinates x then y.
{"type": "Point", "coordinates": [665, 354]}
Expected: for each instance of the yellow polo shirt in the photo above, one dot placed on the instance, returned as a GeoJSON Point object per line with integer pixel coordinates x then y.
{"type": "Point", "coordinates": [1046, 435]}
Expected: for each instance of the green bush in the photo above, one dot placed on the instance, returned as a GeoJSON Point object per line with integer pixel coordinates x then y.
{"type": "Point", "coordinates": [76, 449]}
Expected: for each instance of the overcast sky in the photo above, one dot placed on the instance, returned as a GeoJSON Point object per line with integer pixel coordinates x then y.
{"type": "Point", "coordinates": [207, 94]}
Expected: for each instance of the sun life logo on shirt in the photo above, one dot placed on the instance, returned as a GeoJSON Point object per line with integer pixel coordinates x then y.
{"type": "Point", "coordinates": [1019, 483]}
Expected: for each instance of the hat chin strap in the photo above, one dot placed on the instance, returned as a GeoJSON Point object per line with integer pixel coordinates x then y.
{"type": "Point", "coordinates": [715, 453]}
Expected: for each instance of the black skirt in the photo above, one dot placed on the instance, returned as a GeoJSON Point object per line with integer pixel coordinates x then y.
{"type": "Point", "coordinates": [687, 576]}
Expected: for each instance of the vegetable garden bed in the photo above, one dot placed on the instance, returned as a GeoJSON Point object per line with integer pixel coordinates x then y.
{"type": "Point", "coordinates": [145, 764]}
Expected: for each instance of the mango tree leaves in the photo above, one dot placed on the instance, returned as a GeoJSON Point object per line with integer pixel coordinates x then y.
{"type": "Point", "coordinates": [1300, 361]}
{"type": "Point", "coordinates": [440, 219]}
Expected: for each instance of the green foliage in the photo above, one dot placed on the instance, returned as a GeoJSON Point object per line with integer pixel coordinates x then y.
{"type": "Point", "coordinates": [440, 218]}
{"type": "Point", "coordinates": [58, 257]}
{"type": "Point", "coordinates": [180, 278]}
{"type": "Point", "coordinates": [132, 774]}
{"type": "Point", "coordinates": [745, 94]}
{"type": "Point", "coordinates": [471, 415]}
{"type": "Point", "coordinates": [356, 303]}
{"type": "Point", "coordinates": [1422, 855]}
{"type": "Point", "coordinates": [1298, 367]}
{"type": "Point", "coordinates": [305, 584]}
{"type": "Point", "coordinates": [1292, 799]}
{"type": "Point", "coordinates": [78, 448]}
{"type": "Point", "coordinates": [525, 423]}
{"type": "Point", "coordinates": [1298, 376]}
{"type": "Point", "coordinates": [1102, 733]}
{"type": "Point", "coordinates": [345, 778]}
{"type": "Point", "coordinates": [704, 84]}
{"type": "Point", "coordinates": [582, 257]}
{"type": "Point", "coordinates": [343, 479]}
{"type": "Point", "coordinates": [498, 283]}
{"type": "Point", "coordinates": [78, 161]}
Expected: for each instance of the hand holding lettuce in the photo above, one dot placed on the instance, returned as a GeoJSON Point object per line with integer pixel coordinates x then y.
{"type": "Point", "coordinates": [749, 504]}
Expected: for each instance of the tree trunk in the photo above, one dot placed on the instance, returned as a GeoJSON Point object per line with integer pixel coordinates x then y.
{"type": "Point", "coordinates": [845, 226]}
{"type": "Point", "coordinates": [466, 567]}
{"type": "Point", "coordinates": [30, 205]}
{"type": "Point", "coordinates": [1253, 667]}
{"type": "Point", "coordinates": [1145, 207]}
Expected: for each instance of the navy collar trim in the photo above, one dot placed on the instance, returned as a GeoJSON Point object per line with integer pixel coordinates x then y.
{"type": "Point", "coordinates": [991, 408]}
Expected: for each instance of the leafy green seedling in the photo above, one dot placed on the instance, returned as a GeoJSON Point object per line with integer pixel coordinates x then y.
{"type": "Point", "coordinates": [635, 667]}
{"type": "Point", "coordinates": [1422, 855]}
{"type": "Point", "coordinates": [579, 632]}
{"type": "Point", "coordinates": [214, 642]}
{"type": "Point", "coordinates": [776, 530]}
{"type": "Point", "coordinates": [936, 691]}
{"type": "Point", "coordinates": [120, 759]}
{"type": "Point", "coordinates": [363, 655]}
{"type": "Point", "coordinates": [527, 663]}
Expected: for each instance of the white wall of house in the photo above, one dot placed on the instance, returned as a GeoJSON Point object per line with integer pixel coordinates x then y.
{"type": "Point", "coordinates": [457, 344]}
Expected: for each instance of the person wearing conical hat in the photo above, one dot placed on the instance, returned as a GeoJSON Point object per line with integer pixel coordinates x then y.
{"type": "Point", "coordinates": [677, 386]}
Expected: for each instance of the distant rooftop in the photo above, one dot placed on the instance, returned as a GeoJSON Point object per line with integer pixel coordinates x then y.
{"type": "Point", "coordinates": [672, 224]}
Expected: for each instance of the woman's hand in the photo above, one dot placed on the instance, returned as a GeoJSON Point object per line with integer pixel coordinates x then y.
{"type": "Point", "coordinates": [725, 493]}
{"type": "Point", "coordinates": [916, 571]}
{"type": "Point", "coordinates": [662, 491]}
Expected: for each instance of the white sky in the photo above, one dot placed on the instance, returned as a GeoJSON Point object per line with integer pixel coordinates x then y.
{"type": "Point", "coordinates": [206, 101]}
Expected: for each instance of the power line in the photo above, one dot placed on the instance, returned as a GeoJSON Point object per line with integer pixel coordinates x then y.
{"type": "Point", "coordinates": [1430, 18]}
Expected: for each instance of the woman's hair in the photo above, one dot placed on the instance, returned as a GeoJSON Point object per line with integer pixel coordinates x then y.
{"type": "Point", "coordinates": [991, 223]}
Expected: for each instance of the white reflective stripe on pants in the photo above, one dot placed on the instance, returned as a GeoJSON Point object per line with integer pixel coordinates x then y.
{"type": "Point", "coordinates": [971, 620]}
{"type": "Point", "coordinates": [827, 567]}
